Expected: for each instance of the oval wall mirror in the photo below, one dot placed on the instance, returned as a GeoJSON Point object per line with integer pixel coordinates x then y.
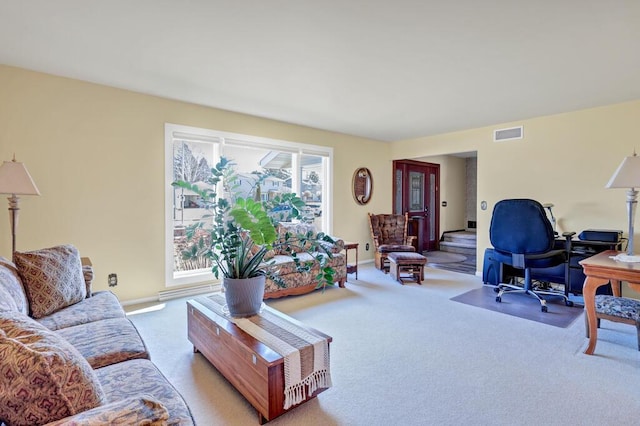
{"type": "Point", "coordinates": [362, 185]}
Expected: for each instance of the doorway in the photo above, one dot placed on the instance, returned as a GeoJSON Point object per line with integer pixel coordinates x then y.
{"type": "Point", "coordinates": [416, 189]}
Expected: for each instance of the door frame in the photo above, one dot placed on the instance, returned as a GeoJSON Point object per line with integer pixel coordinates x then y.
{"type": "Point", "coordinates": [435, 209]}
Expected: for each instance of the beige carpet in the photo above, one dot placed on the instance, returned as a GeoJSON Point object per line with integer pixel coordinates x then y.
{"type": "Point", "coordinates": [407, 355]}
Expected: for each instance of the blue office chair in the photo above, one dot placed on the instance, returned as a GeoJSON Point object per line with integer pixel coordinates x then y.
{"type": "Point", "coordinates": [523, 238]}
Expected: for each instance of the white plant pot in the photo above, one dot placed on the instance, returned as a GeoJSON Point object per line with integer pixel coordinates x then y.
{"type": "Point", "coordinates": [244, 295]}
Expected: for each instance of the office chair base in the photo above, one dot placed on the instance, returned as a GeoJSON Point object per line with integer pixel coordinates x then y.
{"type": "Point", "coordinates": [508, 289]}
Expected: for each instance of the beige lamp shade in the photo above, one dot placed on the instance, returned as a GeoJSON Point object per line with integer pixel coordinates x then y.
{"type": "Point", "coordinates": [627, 175]}
{"type": "Point", "coordinates": [15, 179]}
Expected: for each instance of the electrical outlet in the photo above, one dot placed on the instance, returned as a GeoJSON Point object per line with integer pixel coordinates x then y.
{"type": "Point", "coordinates": [113, 280]}
{"type": "Point", "coordinates": [366, 247]}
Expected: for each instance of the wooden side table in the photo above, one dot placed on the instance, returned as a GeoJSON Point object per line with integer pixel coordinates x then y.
{"type": "Point", "coordinates": [353, 267]}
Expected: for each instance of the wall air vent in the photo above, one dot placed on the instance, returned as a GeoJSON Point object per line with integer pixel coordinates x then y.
{"type": "Point", "coordinates": [511, 133]}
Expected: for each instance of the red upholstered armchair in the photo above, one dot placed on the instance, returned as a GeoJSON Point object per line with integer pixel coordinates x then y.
{"type": "Point", "coordinates": [389, 234]}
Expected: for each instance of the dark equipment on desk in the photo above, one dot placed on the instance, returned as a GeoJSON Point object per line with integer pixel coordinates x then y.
{"type": "Point", "coordinates": [604, 235]}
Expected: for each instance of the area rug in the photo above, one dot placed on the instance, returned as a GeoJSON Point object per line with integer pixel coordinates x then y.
{"type": "Point", "coordinates": [522, 306]}
{"type": "Point", "coordinates": [443, 257]}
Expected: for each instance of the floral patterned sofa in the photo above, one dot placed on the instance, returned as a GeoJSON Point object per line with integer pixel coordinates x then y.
{"type": "Point", "coordinates": [300, 282]}
{"type": "Point", "coordinates": [70, 356]}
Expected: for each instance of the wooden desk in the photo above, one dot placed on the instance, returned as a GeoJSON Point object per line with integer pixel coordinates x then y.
{"type": "Point", "coordinates": [599, 270]}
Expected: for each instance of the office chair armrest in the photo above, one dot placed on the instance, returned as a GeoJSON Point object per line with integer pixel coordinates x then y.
{"type": "Point", "coordinates": [567, 245]}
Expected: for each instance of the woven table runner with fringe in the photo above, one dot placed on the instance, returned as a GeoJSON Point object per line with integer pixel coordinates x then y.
{"type": "Point", "coordinates": [305, 353]}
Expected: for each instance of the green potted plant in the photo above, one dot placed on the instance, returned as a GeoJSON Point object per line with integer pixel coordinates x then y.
{"type": "Point", "coordinates": [241, 231]}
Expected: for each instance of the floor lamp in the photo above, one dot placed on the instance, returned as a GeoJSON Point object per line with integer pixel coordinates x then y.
{"type": "Point", "coordinates": [628, 176]}
{"type": "Point", "coordinates": [15, 180]}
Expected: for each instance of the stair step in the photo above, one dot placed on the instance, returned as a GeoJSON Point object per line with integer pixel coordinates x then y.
{"type": "Point", "coordinates": [461, 242]}
{"type": "Point", "coordinates": [460, 236]}
{"type": "Point", "coordinates": [451, 247]}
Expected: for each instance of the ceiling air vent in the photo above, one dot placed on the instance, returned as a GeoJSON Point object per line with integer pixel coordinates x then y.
{"type": "Point", "coordinates": [507, 134]}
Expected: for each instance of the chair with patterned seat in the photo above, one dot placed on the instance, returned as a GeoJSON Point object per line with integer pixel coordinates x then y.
{"type": "Point", "coordinates": [617, 309]}
{"type": "Point", "coordinates": [389, 234]}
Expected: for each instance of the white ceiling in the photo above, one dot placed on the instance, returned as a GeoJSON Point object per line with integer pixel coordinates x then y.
{"type": "Point", "coordinates": [381, 69]}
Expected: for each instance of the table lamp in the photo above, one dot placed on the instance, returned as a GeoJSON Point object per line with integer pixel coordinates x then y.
{"type": "Point", "coordinates": [628, 176]}
{"type": "Point", "coordinates": [552, 218]}
{"type": "Point", "coordinates": [15, 180]}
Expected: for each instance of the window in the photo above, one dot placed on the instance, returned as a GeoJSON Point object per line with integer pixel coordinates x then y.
{"type": "Point", "coordinates": [265, 168]}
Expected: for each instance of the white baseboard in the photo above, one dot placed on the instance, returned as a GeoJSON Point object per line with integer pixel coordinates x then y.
{"type": "Point", "coordinates": [175, 294]}
{"type": "Point", "coordinates": [139, 301]}
{"type": "Point", "coordinates": [188, 291]}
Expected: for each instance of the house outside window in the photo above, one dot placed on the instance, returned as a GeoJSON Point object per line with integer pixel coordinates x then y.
{"type": "Point", "coordinates": [265, 167]}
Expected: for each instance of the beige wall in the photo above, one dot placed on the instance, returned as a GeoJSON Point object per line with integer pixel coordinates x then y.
{"type": "Point", "coordinates": [565, 159]}
{"type": "Point", "coordinates": [97, 156]}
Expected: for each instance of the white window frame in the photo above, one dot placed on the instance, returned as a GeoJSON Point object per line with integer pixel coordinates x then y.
{"type": "Point", "coordinates": [223, 138]}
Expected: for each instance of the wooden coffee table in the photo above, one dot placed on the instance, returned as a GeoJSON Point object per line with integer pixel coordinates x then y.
{"type": "Point", "coordinates": [254, 369]}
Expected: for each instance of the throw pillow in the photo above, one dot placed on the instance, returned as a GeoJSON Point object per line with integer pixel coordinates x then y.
{"type": "Point", "coordinates": [52, 278]}
{"type": "Point", "coordinates": [295, 230]}
{"type": "Point", "coordinates": [12, 294]}
{"type": "Point", "coordinates": [42, 377]}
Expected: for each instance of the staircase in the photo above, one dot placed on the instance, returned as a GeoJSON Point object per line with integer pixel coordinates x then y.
{"type": "Point", "coordinates": [462, 242]}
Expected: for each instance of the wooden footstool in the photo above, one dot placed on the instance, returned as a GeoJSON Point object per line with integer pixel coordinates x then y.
{"type": "Point", "coordinates": [407, 262]}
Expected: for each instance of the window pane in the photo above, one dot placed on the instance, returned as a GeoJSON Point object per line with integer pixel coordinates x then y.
{"type": "Point", "coordinates": [191, 163]}
{"type": "Point", "coordinates": [398, 193]}
{"type": "Point", "coordinates": [432, 203]}
{"type": "Point", "coordinates": [416, 192]}
{"type": "Point", "coordinates": [262, 174]}
{"type": "Point", "coordinates": [311, 188]}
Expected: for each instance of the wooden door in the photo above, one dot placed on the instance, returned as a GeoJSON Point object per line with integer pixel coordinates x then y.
{"type": "Point", "coordinates": [416, 188]}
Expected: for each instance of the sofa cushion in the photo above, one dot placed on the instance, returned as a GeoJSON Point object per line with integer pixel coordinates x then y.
{"type": "Point", "coordinates": [6, 299]}
{"type": "Point", "coordinates": [42, 377]}
{"type": "Point", "coordinates": [336, 247]}
{"type": "Point", "coordinates": [392, 248]}
{"type": "Point", "coordinates": [294, 229]}
{"type": "Point", "coordinates": [285, 265]}
{"type": "Point", "coordinates": [103, 305]}
{"type": "Point", "coordinates": [52, 277]}
{"type": "Point", "coordinates": [141, 377]}
{"type": "Point", "coordinates": [12, 294]}
{"type": "Point", "coordinates": [106, 342]}
{"type": "Point", "coordinates": [143, 410]}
